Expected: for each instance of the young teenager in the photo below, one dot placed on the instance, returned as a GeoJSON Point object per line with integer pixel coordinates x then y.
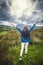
{"type": "Point", "coordinates": [25, 38]}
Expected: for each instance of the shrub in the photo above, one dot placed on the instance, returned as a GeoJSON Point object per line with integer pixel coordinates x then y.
{"type": "Point", "coordinates": [5, 56]}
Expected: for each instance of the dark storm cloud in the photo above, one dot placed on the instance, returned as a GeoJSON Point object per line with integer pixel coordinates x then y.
{"type": "Point", "coordinates": [5, 12]}
{"type": "Point", "coordinates": [33, 1]}
{"type": "Point", "coordinates": [39, 8]}
{"type": "Point", "coordinates": [4, 9]}
{"type": "Point", "coordinates": [39, 5]}
{"type": "Point", "coordinates": [37, 0]}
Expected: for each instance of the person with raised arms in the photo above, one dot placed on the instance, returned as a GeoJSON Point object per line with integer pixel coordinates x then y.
{"type": "Point", "coordinates": [25, 38]}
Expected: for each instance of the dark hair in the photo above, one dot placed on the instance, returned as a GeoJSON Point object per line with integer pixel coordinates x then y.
{"type": "Point", "coordinates": [25, 32]}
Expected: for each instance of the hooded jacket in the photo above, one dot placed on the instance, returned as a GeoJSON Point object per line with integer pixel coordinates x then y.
{"type": "Point", "coordinates": [22, 38]}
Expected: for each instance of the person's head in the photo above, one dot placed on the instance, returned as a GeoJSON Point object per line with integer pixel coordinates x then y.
{"type": "Point", "coordinates": [25, 29]}
{"type": "Point", "coordinates": [25, 32]}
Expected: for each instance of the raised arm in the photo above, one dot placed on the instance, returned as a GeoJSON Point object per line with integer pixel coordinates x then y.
{"type": "Point", "coordinates": [18, 29]}
{"type": "Point", "coordinates": [33, 26]}
{"type": "Point", "coordinates": [16, 26]}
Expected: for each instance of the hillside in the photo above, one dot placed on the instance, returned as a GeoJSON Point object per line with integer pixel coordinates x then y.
{"type": "Point", "coordinates": [5, 28]}
{"type": "Point", "coordinates": [10, 46]}
{"type": "Point", "coordinates": [37, 35]}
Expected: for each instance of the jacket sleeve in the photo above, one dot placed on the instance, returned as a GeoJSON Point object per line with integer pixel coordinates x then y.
{"type": "Point", "coordinates": [32, 28]}
{"type": "Point", "coordinates": [18, 29]}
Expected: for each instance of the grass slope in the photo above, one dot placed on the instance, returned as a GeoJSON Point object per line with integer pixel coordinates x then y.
{"type": "Point", "coordinates": [35, 52]}
{"type": "Point", "coordinates": [34, 55]}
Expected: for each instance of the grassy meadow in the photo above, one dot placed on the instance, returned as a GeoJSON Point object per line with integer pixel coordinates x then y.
{"type": "Point", "coordinates": [10, 45]}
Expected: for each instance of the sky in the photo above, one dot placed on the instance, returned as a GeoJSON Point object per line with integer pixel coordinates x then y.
{"type": "Point", "coordinates": [21, 11]}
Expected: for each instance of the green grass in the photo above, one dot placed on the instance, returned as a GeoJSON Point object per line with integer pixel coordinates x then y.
{"type": "Point", "coordinates": [3, 33]}
{"type": "Point", "coordinates": [34, 55]}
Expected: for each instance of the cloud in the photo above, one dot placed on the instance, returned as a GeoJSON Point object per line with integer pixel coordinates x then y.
{"type": "Point", "coordinates": [5, 23]}
{"type": "Point", "coordinates": [36, 16]}
{"type": "Point", "coordinates": [19, 11]}
{"type": "Point", "coordinates": [39, 5]}
{"type": "Point", "coordinates": [19, 7]}
{"type": "Point", "coordinates": [4, 10]}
